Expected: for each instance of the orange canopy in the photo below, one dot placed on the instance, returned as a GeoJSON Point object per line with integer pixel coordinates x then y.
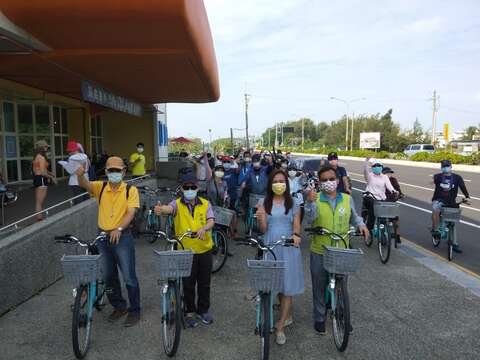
{"type": "Point", "coordinates": [151, 51]}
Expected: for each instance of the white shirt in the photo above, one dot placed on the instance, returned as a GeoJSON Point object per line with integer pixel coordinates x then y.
{"type": "Point", "coordinates": [81, 159]}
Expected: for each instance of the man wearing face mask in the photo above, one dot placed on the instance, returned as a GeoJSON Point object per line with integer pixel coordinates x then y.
{"type": "Point", "coordinates": [445, 194]}
{"type": "Point", "coordinates": [334, 211]}
{"type": "Point", "coordinates": [256, 180]}
{"type": "Point", "coordinates": [117, 203]}
{"type": "Point", "coordinates": [194, 213]}
{"type": "Point", "coordinates": [343, 184]}
{"type": "Point", "coordinates": [377, 185]}
{"type": "Point", "coordinates": [137, 161]}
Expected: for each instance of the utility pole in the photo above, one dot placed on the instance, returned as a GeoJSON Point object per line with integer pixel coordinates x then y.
{"type": "Point", "coordinates": [231, 139]}
{"type": "Point", "coordinates": [282, 132]}
{"type": "Point", "coordinates": [247, 99]}
{"type": "Point", "coordinates": [303, 133]}
{"type": "Point", "coordinates": [210, 135]}
{"type": "Point", "coordinates": [346, 131]}
{"type": "Point", "coordinates": [276, 134]}
{"type": "Point", "coordinates": [269, 138]}
{"type": "Point", "coordinates": [351, 136]}
{"type": "Point", "coordinates": [434, 116]}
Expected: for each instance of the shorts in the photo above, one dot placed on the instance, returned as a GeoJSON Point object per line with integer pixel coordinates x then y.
{"type": "Point", "coordinates": [40, 181]}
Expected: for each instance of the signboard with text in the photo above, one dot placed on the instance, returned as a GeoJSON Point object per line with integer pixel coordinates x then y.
{"type": "Point", "coordinates": [96, 94]}
{"type": "Point", "coordinates": [288, 130]}
{"type": "Point", "coordinates": [370, 140]}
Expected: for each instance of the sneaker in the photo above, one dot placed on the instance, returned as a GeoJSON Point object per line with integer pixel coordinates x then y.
{"type": "Point", "coordinates": [457, 249]}
{"type": "Point", "coordinates": [190, 321]}
{"type": "Point", "coordinates": [280, 338]}
{"type": "Point", "coordinates": [131, 320]}
{"type": "Point", "coordinates": [206, 318]}
{"type": "Point", "coordinates": [320, 327]}
{"type": "Point", "coordinates": [436, 234]}
{"type": "Point", "coordinates": [117, 314]}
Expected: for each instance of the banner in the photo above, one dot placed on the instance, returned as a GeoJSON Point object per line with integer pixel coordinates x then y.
{"type": "Point", "coordinates": [445, 131]}
{"type": "Point", "coordinates": [370, 140]}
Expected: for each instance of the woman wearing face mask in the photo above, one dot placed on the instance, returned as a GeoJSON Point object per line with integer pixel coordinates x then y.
{"type": "Point", "coordinates": [42, 177]}
{"type": "Point", "coordinates": [377, 185]}
{"type": "Point", "coordinates": [217, 188]}
{"type": "Point", "coordinates": [278, 216]}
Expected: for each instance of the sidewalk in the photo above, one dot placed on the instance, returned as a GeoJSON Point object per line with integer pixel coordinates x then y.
{"type": "Point", "coordinates": [402, 310]}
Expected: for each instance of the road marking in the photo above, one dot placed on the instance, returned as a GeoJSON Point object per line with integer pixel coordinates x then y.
{"type": "Point", "coordinates": [406, 184]}
{"type": "Point", "coordinates": [431, 253]}
{"type": "Point", "coordinates": [422, 209]}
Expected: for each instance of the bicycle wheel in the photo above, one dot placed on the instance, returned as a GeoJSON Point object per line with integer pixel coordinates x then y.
{"type": "Point", "coordinates": [384, 244]}
{"type": "Point", "coordinates": [265, 326]}
{"type": "Point", "coordinates": [152, 226]}
{"type": "Point", "coordinates": [81, 323]}
{"type": "Point", "coordinates": [394, 232]}
{"type": "Point", "coordinates": [171, 319]}
{"type": "Point", "coordinates": [220, 249]}
{"type": "Point", "coordinates": [341, 315]}
{"type": "Point", "coordinates": [450, 242]}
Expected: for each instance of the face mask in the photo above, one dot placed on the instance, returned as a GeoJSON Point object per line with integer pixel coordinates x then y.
{"type": "Point", "coordinates": [446, 169]}
{"type": "Point", "coordinates": [256, 165]}
{"type": "Point", "coordinates": [219, 174]}
{"type": "Point", "coordinates": [292, 173]}
{"type": "Point", "coordinates": [115, 177]}
{"type": "Point", "coordinates": [247, 160]}
{"type": "Point", "coordinates": [227, 166]}
{"type": "Point", "coordinates": [190, 194]}
{"type": "Point", "coordinates": [139, 150]}
{"type": "Point", "coordinates": [328, 186]}
{"type": "Point", "coordinates": [377, 170]}
{"type": "Point", "coordinates": [279, 188]}
{"type": "Point", "coordinates": [284, 166]}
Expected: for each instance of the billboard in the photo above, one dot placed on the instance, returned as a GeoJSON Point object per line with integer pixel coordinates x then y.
{"type": "Point", "coordinates": [370, 140]}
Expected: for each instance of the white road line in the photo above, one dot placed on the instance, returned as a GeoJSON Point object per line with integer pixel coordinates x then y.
{"type": "Point", "coordinates": [406, 184]}
{"type": "Point", "coordinates": [424, 210]}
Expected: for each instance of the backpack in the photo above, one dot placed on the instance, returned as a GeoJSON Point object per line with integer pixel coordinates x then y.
{"type": "Point", "coordinates": [103, 188]}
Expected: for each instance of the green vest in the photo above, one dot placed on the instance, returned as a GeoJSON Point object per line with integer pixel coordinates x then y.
{"type": "Point", "coordinates": [336, 220]}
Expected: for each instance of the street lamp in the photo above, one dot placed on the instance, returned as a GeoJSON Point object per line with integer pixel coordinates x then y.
{"type": "Point", "coordinates": [347, 103]}
{"type": "Point", "coordinates": [210, 143]}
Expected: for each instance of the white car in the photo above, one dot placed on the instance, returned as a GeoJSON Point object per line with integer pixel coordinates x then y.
{"type": "Point", "coordinates": [416, 148]}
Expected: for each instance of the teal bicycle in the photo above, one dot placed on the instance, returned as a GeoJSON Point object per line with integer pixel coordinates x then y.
{"type": "Point", "coordinates": [266, 277]}
{"type": "Point", "coordinates": [339, 262]}
{"type": "Point", "coordinates": [84, 273]}
{"type": "Point", "coordinates": [251, 220]}
{"type": "Point", "coordinates": [172, 266]}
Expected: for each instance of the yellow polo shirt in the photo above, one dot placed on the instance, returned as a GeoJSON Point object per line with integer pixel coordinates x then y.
{"type": "Point", "coordinates": [114, 204]}
{"type": "Point", "coordinates": [139, 168]}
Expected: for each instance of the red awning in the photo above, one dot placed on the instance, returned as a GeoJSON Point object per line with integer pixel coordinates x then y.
{"type": "Point", "coordinates": [181, 140]}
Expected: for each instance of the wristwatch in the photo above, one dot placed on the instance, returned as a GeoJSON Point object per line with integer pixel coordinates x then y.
{"type": "Point", "coordinates": [120, 229]}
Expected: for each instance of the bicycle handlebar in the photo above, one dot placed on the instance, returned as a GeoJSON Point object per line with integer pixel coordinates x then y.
{"type": "Point", "coordinates": [71, 239]}
{"type": "Point", "coordinates": [284, 241]}
{"type": "Point", "coordinates": [318, 230]}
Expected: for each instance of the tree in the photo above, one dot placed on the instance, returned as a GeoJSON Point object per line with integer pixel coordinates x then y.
{"type": "Point", "coordinates": [470, 132]}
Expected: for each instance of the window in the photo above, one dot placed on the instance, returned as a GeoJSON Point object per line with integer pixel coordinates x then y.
{"type": "Point", "coordinates": [25, 118]}
{"type": "Point", "coordinates": [9, 117]}
{"type": "Point", "coordinates": [415, 147]}
{"type": "Point", "coordinates": [96, 129]}
{"type": "Point", "coordinates": [42, 119]}
{"type": "Point", "coordinates": [428, 147]}
{"type": "Point", "coordinates": [60, 129]}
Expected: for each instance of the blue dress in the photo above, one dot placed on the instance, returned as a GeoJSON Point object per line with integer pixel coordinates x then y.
{"type": "Point", "coordinates": [278, 225]}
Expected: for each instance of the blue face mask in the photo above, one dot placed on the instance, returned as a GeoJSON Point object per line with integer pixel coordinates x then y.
{"type": "Point", "coordinates": [115, 177]}
{"type": "Point", "coordinates": [190, 194]}
{"type": "Point", "coordinates": [377, 170]}
{"type": "Point", "coordinates": [446, 169]}
{"type": "Point", "coordinates": [227, 166]}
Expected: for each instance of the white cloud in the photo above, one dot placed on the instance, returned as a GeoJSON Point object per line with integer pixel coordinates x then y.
{"type": "Point", "coordinates": [425, 26]}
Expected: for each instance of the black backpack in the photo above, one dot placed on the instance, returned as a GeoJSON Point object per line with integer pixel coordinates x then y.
{"type": "Point", "coordinates": [103, 188]}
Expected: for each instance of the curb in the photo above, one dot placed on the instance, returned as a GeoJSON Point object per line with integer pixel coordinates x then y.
{"type": "Point", "coordinates": [422, 164]}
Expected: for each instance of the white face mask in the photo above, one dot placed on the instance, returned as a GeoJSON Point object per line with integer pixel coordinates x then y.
{"type": "Point", "coordinates": [139, 149]}
{"type": "Point", "coordinates": [256, 165]}
{"type": "Point", "coordinates": [219, 174]}
{"type": "Point", "coordinates": [284, 166]}
{"type": "Point", "coordinates": [292, 173]}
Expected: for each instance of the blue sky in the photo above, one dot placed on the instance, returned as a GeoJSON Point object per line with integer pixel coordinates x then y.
{"type": "Point", "coordinates": [293, 55]}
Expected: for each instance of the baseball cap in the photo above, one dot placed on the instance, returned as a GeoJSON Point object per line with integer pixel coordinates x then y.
{"type": "Point", "coordinates": [376, 162]}
{"type": "Point", "coordinates": [256, 158]}
{"type": "Point", "coordinates": [41, 143]}
{"type": "Point", "coordinates": [188, 178]}
{"type": "Point", "coordinates": [445, 163]}
{"type": "Point", "coordinates": [332, 156]}
{"type": "Point", "coordinates": [387, 170]}
{"type": "Point", "coordinates": [114, 162]}
{"type": "Point", "coordinates": [72, 146]}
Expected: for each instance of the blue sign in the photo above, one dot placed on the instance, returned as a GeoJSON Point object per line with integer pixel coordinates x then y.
{"type": "Point", "coordinates": [162, 134]}
{"type": "Point", "coordinates": [98, 95]}
{"type": "Point", "coordinates": [11, 146]}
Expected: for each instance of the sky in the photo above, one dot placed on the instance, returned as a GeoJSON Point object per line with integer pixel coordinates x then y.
{"type": "Point", "coordinates": [292, 56]}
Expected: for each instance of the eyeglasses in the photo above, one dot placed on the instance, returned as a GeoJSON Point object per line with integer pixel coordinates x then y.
{"type": "Point", "coordinates": [329, 179]}
{"type": "Point", "coordinates": [189, 187]}
{"type": "Point", "coordinates": [114, 170]}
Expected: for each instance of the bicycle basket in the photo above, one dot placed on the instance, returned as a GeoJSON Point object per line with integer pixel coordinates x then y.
{"type": "Point", "coordinates": [253, 199]}
{"type": "Point", "coordinates": [223, 216]}
{"type": "Point", "coordinates": [385, 209]}
{"type": "Point", "coordinates": [266, 275]}
{"type": "Point", "coordinates": [82, 269]}
{"type": "Point", "coordinates": [451, 214]}
{"type": "Point", "coordinates": [173, 264]}
{"type": "Point", "coordinates": [342, 261]}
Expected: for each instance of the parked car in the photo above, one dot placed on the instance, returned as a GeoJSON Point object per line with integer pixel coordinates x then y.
{"type": "Point", "coordinates": [416, 148]}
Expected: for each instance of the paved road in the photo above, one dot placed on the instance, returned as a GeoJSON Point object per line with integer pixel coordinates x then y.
{"type": "Point", "coordinates": [416, 183]}
{"type": "Point", "coordinates": [400, 311]}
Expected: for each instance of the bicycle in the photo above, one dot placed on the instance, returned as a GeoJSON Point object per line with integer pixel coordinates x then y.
{"type": "Point", "coordinates": [172, 266]}
{"type": "Point", "coordinates": [220, 234]}
{"type": "Point", "coordinates": [338, 262]}
{"type": "Point", "coordinates": [266, 277]}
{"type": "Point", "coordinates": [449, 216]}
{"type": "Point", "coordinates": [251, 220]}
{"type": "Point", "coordinates": [84, 272]}
{"type": "Point", "coordinates": [385, 227]}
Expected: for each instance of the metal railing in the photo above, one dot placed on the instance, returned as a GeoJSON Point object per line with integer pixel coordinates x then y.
{"type": "Point", "coordinates": [15, 225]}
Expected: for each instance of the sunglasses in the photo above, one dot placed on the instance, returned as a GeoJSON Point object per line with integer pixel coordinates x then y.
{"type": "Point", "coordinates": [377, 165]}
{"type": "Point", "coordinates": [329, 179]}
{"type": "Point", "coordinates": [189, 187]}
{"type": "Point", "coordinates": [114, 170]}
